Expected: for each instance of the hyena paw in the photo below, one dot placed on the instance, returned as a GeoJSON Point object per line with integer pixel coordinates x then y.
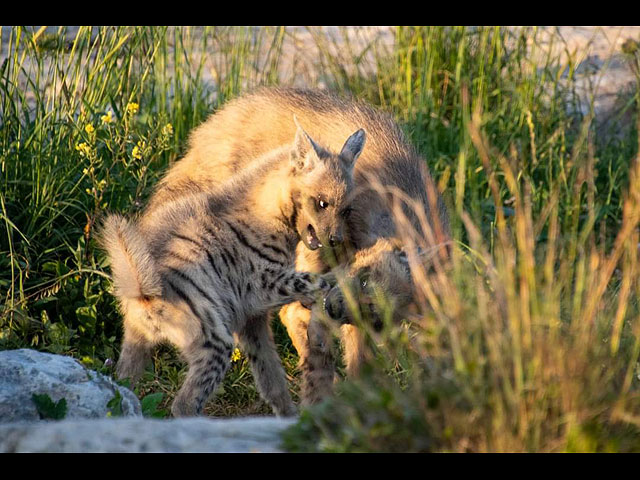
{"type": "Point", "coordinates": [312, 287]}
{"type": "Point", "coordinates": [287, 410]}
{"type": "Point", "coordinates": [322, 285]}
{"type": "Point", "coordinates": [183, 407]}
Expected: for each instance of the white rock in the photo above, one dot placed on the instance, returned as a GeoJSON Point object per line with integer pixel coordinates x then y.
{"type": "Point", "coordinates": [25, 372]}
{"type": "Point", "coordinates": [133, 435]}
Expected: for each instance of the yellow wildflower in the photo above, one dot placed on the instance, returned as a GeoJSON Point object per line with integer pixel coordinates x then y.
{"type": "Point", "coordinates": [136, 153]}
{"type": "Point", "coordinates": [107, 118]}
{"type": "Point", "coordinates": [84, 149]}
{"type": "Point", "coordinates": [236, 355]}
{"type": "Point", "coordinates": [167, 130]}
{"type": "Point", "coordinates": [89, 129]}
{"type": "Point", "coordinates": [137, 150]}
{"type": "Point", "coordinates": [133, 108]}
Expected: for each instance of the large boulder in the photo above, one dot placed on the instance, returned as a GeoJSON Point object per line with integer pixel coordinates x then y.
{"type": "Point", "coordinates": [90, 423]}
{"type": "Point", "coordinates": [87, 393]}
{"type": "Point", "coordinates": [133, 435]}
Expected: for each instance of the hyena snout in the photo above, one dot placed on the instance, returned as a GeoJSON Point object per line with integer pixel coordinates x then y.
{"type": "Point", "coordinates": [335, 234]}
{"type": "Point", "coordinates": [334, 306]}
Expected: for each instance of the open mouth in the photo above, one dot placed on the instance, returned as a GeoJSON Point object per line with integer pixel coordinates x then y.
{"type": "Point", "coordinates": [312, 239]}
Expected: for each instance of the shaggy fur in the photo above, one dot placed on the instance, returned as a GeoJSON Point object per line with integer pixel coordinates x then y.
{"type": "Point", "coordinates": [230, 140]}
{"type": "Point", "coordinates": [205, 266]}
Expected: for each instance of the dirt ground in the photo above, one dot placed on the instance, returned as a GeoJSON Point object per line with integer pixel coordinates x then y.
{"type": "Point", "coordinates": [602, 69]}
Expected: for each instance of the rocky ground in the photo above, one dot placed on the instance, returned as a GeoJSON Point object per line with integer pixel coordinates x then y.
{"type": "Point", "coordinates": [602, 69]}
{"type": "Point", "coordinates": [143, 435]}
{"type": "Point", "coordinates": [86, 411]}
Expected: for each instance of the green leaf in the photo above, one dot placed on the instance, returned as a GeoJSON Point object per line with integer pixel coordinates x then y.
{"type": "Point", "coordinates": [150, 405]}
{"type": "Point", "coordinates": [115, 405]}
{"type": "Point", "coordinates": [48, 409]}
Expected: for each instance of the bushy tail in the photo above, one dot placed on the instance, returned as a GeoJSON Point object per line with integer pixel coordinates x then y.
{"type": "Point", "coordinates": [132, 268]}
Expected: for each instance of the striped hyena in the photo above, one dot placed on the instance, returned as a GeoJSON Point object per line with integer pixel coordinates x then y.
{"type": "Point", "coordinates": [206, 266]}
{"type": "Point", "coordinates": [248, 126]}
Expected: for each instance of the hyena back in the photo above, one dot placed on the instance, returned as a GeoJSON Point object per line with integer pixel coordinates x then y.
{"type": "Point", "coordinates": [229, 140]}
{"type": "Point", "coordinates": [205, 267]}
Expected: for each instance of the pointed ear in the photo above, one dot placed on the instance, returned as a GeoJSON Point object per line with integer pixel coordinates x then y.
{"type": "Point", "coordinates": [353, 147]}
{"type": "Point", "coordinates": [402, 257]}
{"type": "Point", "coordinates": [305, 151]}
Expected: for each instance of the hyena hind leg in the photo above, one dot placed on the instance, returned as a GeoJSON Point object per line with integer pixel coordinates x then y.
{"type": "Point", "coordinates": [135, 355]}
{"type": "Point", "coordinates": [257, 343]}
{"type": "Point", "coordinates": [208, 363]}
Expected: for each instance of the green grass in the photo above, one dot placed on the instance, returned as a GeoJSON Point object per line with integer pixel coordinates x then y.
{"type": "Point", "coordinates": [528, 343]}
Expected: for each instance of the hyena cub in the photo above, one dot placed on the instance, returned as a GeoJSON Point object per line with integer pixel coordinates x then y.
{"type": "Point", "coordinates": [206, 267]}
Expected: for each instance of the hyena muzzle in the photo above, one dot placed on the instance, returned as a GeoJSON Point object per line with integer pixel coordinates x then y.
{"type": "Point", "coordinates": [229, 141]}
{"type": "Point", "coordinates": [203, 269]}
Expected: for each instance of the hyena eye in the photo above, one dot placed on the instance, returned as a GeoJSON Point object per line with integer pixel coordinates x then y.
{"type": "Point", "coordinates": [322, 204]}
{"type": "Point", "coordinates": [363, 277]}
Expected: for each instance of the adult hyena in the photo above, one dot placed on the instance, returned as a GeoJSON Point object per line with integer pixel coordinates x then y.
{"type": "Point", "coordinates": [248, 126]}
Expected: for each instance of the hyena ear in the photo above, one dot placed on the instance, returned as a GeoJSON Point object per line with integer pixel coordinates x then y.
{"type": "Point", "coordinates": [353, 148]}
{"type": "Point", "coordinates": [305, 151]}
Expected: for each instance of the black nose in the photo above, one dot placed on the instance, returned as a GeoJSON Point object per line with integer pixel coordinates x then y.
{"type": "Point", "coordinates": [335, 240]}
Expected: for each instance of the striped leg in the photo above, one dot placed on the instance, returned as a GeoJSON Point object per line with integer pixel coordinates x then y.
{"type": "Point", "coordinates": [257, 343]}
{"type": "Point", "coordinates": [208, 363]}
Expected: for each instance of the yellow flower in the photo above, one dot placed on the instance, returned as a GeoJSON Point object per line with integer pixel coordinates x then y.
{"type": "Point", "coordinates": [132, 108]}
{"type": "Point", "coordinates": [167, 130]}
{"type": "Point", "coordinates": [138, 149]}
{"type": "Point", "coordinates": [136, 153]}
{"type": "Point", "coordinates": [84, 149]}
{"type": "Point", "coordinates": [107, 118]}
{"type": "Point", "coordinates": [89, 129]}
{"type": "Point", "coordinates": [236, 355]}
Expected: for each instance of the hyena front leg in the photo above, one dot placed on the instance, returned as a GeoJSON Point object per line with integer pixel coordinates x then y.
{"type": "Point", "coordinates": [291, 286]}
{"type": "Point", "coordinates": [314, 346]}
{"type": "Point", "coordinates": [354, 349]}
{"type": "Point", "coordinates": [208, 360]}
{"type": "Point", "coordinates": [317, 361]}
{"type": "Point", "coordinates": [257, 343]}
